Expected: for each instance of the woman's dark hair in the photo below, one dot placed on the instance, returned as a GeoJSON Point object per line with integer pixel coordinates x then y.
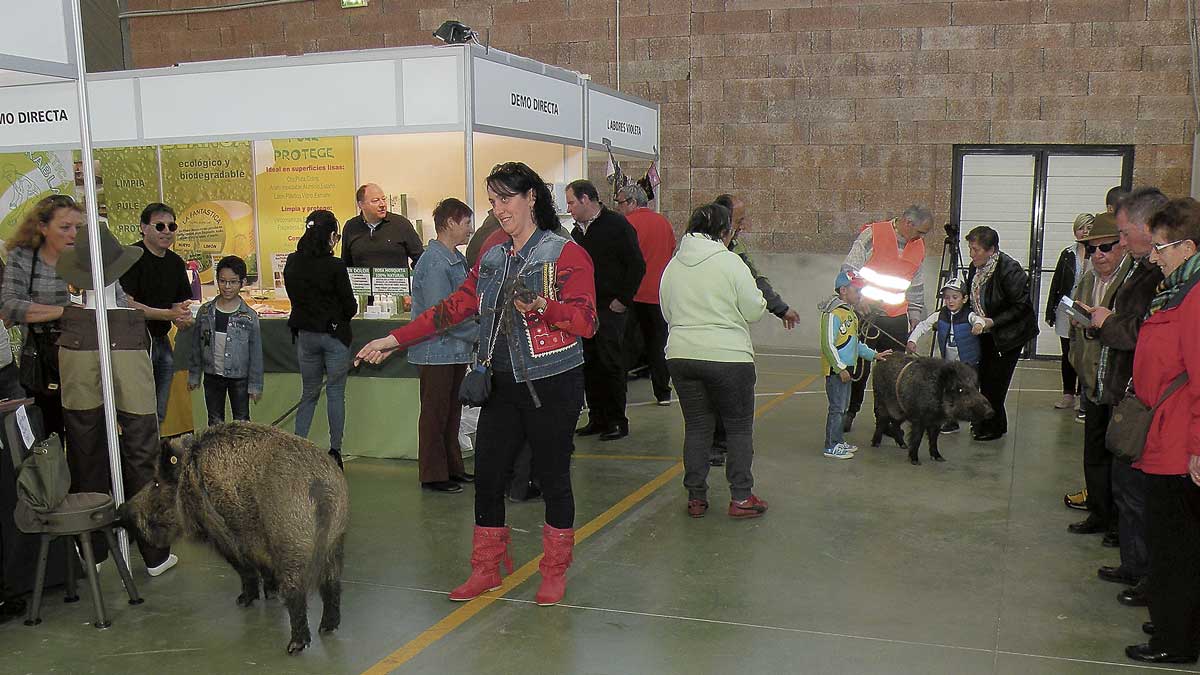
{"type": "Point", "coordinates": [514, 178]}
{"type": "Point", "coordinates": [710, 220]}
{"type": "Point", "coordinates": [233, 264]}
{"type": "Point", "coordinates": [1114, 197]}
{"type": "Point", "coordinates": [449, 209]}
{"type": "Point", "coordinates": [318, 227]}
{"type": "Point", "coordinates": [1179, 219]}
{"type": "Point", "coordinates": [985, 236]}
{"type": "Point", "coordinates": [725, 200]}
{"type": "Point", "coordinates": [156, 207]}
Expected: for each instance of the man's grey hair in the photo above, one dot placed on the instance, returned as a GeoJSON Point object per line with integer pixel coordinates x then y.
{"type": "Point", "coordinates": [635, 194]}
{"type": "Point", "coordinates": [918, 215]}
{"type": "Point", "coordinates": [1141, 205]}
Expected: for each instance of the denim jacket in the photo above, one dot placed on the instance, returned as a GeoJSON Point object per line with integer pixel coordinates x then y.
{"type": "Point", "coordinates": [243, 346]}
{"type": "Point", "coordinates": [438, 273]}
{"type": "Point", "coordinates": [540, 350]}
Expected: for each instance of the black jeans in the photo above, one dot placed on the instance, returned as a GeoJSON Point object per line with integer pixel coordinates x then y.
{"type": "Point", "coordinates": [654, 337]}
{"type": "Point", "coordinates": [889, 327]}
{"type": "Point", "coordinates": [604, 370]}
{"type": "Point", "coordinates": [1173, 519]}
{"type": "Point", "coordinates": [995, 374]}
{"type": "Point", "coordinates": [507, 421]}
{"type": "Point", "coordinates": [708, 391]}
{"type": "Point", "coordinates": [1129, 496]}
{"type": "Point", "coordinates": [215, 389]}
{"type": "Point", "coordinates": [1069, 378]}
{"type": "Point", "coordinates": [1098, 463]}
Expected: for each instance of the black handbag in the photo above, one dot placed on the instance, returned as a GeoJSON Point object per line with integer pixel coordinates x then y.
{"type": "Point", "coordinates": [476, 386]}
{"type": "Point", "coordinates": [38, 369]}
{"type": "Point", "coordinates": [1131, 419]}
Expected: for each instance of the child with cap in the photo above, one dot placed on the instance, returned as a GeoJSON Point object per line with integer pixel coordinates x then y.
{"type": "Point", "coordinates": [953, 323]}
{"type": "Point", "coordinates": [840, 351]}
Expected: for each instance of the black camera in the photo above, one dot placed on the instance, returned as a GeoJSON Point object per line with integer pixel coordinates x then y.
{"type": "Point", "coordinates": [951, 230]}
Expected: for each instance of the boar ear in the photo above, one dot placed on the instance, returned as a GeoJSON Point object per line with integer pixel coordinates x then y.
{"type": "Point", "coordinates": [171, 458]}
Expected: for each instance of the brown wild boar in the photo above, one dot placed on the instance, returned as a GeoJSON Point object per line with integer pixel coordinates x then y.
{"type": "Point", "coordinates": [273, 504]}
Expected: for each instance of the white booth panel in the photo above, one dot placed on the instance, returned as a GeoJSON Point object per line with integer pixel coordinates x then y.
{"type": "Point", "coordinates": [520, 100]}
{"type": "Point", "coordinates": [45, 115]}
{"type": "Point", "coordinates": [431, 94]}
{"type": "Point", "coordinates": [35, 29]}
{"type": "Point", "coordinates": [269, 100]}
{"type": "Point", "coordinates": [628, 125]}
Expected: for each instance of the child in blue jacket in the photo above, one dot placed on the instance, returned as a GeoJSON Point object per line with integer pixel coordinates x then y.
{"type": "Point", "coordinates": [954, 338]}
{"type": "Point", "coordinates": [840, 352]}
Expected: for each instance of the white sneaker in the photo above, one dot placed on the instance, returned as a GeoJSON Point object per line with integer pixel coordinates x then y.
{"type": "Point", "coordinates": [167, 564]}
{"type": "Point", "coordinates": [838, 452]}
{"type": "Point", "coordinates": [848, 448]}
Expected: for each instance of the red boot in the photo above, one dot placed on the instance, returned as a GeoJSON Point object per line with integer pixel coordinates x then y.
{"type": "Point", "coordinates": [556, 558]}
{"type": "Point", "coordinates": [489, 548]}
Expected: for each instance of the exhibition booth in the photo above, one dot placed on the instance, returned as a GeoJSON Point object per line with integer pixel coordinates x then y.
{"type": "Point", "coordinates": [245, 149]}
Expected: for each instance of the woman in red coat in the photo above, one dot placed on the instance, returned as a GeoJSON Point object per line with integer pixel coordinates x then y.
{"type": "Point", "coordinates": [1168, 346]}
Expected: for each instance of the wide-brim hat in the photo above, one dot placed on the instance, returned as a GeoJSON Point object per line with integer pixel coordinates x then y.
{"type": "Point", "coordinates": [75, 263]}
{"type": "Point", "coordinates": [1104, 226]}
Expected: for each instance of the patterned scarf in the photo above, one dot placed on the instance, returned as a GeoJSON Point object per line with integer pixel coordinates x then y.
{"type": "Point", "coordinates": [1182, 277]}
{"type": "Point", "coordinates": [982, 276]}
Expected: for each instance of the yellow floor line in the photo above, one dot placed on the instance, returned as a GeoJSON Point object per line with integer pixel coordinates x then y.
{"type": "Point", "coordinates": [522, 574]}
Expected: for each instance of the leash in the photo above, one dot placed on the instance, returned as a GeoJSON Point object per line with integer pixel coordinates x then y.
{"type": "Point", "coordinates": [900, 378]}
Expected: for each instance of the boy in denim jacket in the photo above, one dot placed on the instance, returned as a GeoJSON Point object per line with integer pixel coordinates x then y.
{"type": "Point", "coordinates": [227, 346]}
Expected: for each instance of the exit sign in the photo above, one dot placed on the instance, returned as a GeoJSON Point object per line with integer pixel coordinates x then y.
{"type": "Point", "coordinates": [346, 4]}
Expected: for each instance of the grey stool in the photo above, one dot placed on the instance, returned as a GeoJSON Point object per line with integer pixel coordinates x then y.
{"type": "Point", "coordinates": [78, 516]}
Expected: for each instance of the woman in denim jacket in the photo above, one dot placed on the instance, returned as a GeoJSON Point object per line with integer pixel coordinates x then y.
{"type": "Point", "coordinates": [227, 346]}
{"type": "Point", "coordinates": [442, 360]}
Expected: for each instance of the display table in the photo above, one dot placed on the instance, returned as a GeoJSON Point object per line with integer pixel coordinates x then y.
{"type": "Point", "coordinates": [382, 402]}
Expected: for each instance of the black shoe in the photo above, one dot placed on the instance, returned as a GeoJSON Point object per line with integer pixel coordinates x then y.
{"type": "Point", "coordinates": [847, 422]}
{"type": "Point", "coordinates": [1146, 654]}
{"type": "Point", "coordinates": [616, 431]}
{"type": "Point", "coordinates": [463, 477]}
{"type": "Point", "coordinates": [1089, 526]}
{"type": "Point", "coordinates": [442, 486]}
{"type": "Point", "coordinates": [590, 429]}
{"type": "Point", "coordinates": [984, 436]}
{"type": "Point", "coordinates": [1134, 597]}
{"type": "Point", "coordinates": [1111, 540]}
{"type": "Point", "coordinates": [1148, 627]}
{"type": "Point", "coordinates": [950, 427]}
{"type": "Point", "coordinates": [1117, 575]}
{"type": "Point", "coordinates": [531, 492]}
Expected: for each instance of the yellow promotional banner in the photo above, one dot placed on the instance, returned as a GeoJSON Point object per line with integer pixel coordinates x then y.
{"type": "Point", "coordinates": [211, 188]}
{"type": "Point", "coordinates": [294, 177]}
{"type": "Point", "coordinates": [28, 177]}
{"type": "Point", "coordinates": [128, 183]}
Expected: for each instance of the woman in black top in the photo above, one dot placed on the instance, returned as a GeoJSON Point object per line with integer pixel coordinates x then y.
{"type": "Point", "coordinates": [322, 305]}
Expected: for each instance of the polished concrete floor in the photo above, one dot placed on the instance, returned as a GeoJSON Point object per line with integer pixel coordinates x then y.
{"type": "Point", "coordinates": [862, 566]}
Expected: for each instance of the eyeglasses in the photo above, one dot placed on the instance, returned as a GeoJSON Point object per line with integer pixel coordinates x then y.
{"type": "Point", "coordinates": [1159, 248]}
{"type": "Point", "coordinates": [172, 226]}
{"type": "Point", "coordinates": [1103, 248]}
{"type": "Point", "coordinates": [229, 282]}
{"type": "Point", "coordinates": [622, 202]}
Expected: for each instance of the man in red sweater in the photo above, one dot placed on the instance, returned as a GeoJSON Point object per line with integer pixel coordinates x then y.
{"type": "Point", "coordinates": [656, 238]}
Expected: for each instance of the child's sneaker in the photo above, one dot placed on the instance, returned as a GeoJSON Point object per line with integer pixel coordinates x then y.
{"type": "Point", "coordinates": [849, 448]}
{"type": "Point", "coordinates": [751, 507]}
{"type": "Point", "coordinates": [839, 452]}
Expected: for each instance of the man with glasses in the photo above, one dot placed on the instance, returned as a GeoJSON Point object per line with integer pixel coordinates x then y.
{"type": "Point", "coordinates": [377, 237]}
{"type": "Point", "coordinates": [158, 285]}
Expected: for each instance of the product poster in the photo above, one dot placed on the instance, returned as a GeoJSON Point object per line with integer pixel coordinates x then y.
{"type": "Point", "coordinates": [296, 176]}
{"type": "Point", "coordinates": [28, 177]}
{"type": "Point", "coordinates": [130, 182]}
{"type": "Point", "coordinates": [210, 186]}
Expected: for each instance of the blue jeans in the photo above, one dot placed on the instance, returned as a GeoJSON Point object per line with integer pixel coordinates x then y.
{"type": "Point", "coordinates": [838, 393]}
{"type": "Point", "coordinates": [322, 355]}
{"type": "Point", "coordinates": [163, 361]}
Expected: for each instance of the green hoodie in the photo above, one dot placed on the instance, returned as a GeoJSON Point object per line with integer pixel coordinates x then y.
{"type": "Point", "coordinates": [708, 298]}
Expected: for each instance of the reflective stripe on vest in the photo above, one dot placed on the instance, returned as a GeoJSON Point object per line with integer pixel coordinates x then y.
{"type": "Point", "coordinates": [889, 271]}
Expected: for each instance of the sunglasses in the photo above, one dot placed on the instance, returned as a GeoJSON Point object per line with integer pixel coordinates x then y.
{"type": "Point", "coordinates": [1159, 248]}
{"type": "Point", "coordinates": [166, 226]}
{"type": "Point", "coordinates": [1104, 248]}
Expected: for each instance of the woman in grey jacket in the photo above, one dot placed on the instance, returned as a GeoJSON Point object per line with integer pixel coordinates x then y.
{"type": "Point", "coordinates": [442, 360]}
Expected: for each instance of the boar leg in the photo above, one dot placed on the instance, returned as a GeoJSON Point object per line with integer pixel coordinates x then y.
{"type": "Point", "coordinates": [934, 432]}
{"type": "Point", "coordinates": [882, 421]}
{"type": "Point", "coordinates": [331, 589]}
{"type": "Point", "coordinates": [294, 595]}
{"type": "Point", "coordinates": [249, 583]}
{"type": "Point", "coordinates": [915, 432]}
{"type": "Point", "coordinates": [270, 586]}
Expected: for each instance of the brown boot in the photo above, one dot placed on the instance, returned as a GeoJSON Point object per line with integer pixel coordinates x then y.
{"type": "Point", "coordinates": [489, 548]}
{"type": "Point", "coordinates": [556, 558]}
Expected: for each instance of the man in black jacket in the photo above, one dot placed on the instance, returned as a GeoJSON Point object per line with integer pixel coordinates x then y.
{"type": "Point", "coordinates": [1117, 328]}
{"type": "Point", "coordinates": [377, 237]}
{"type": "Point", "coordinates": [612, 243]}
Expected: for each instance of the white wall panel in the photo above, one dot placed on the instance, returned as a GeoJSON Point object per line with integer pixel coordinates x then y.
{"type": "Point", "coordinates": [431, 94]}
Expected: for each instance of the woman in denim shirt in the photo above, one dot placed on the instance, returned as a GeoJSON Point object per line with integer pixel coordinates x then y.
{"type": "Point", "coordinates": [227, 347]}
{"type": "Point", "coordinates": [439, 272]}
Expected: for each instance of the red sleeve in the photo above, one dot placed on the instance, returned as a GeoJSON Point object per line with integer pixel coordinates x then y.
{"type": "Point", "coordinates": [575, 309]}
{"type": "Point", "coordinates": [1189, 345]}
{"type": "Point", "coordinates": [456, 308]}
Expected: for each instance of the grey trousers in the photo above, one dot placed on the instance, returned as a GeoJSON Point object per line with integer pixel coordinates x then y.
{"type": "Point", "coordinates": [708, 391]}
{"type": "Point", "coordinates": [1129, 494]}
